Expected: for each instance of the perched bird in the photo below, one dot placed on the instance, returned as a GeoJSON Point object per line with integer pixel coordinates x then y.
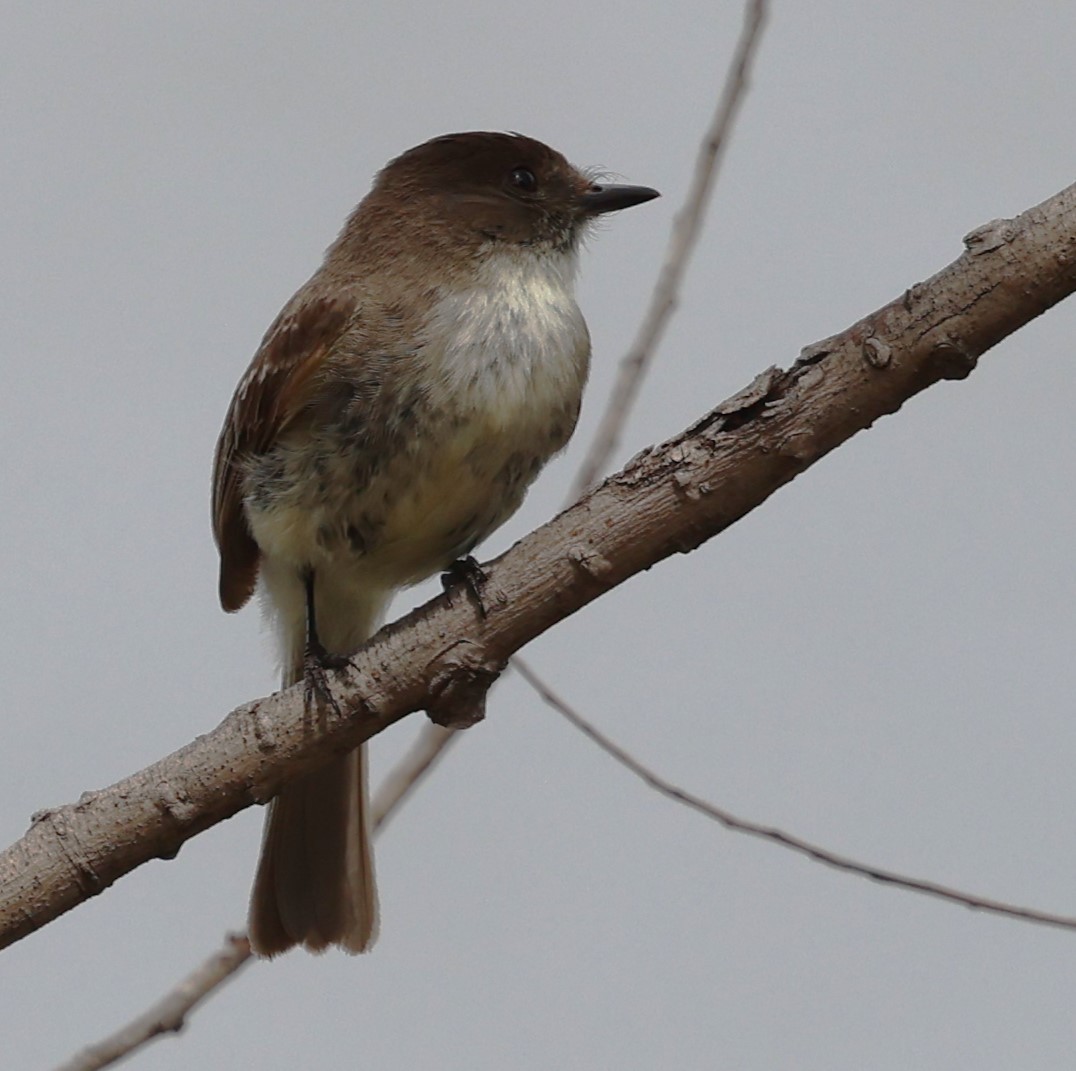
{"type": "Point", "coordinates": [394, 415]}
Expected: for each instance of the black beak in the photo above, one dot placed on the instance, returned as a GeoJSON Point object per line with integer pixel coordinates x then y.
{"type": "Point", "coordinates": [600, 199]}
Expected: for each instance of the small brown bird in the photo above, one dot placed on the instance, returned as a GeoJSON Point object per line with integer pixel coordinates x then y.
{"type": "Point", "coordinates": [395, 415]}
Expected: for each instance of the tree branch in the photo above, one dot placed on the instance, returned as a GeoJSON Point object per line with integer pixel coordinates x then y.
{"type": "Point", "coordinates": [815, 852]}
{"type": "Point", "coordinates": [425, 752]}
{"type": "Point", "coordinates": [169, 1014]}
{"type": "Point", "coordinates": [670, 498]}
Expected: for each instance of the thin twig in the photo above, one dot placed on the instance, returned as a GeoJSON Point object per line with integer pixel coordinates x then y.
{"type": "Point", "coordinates": [169, 1014]}
{"type": "Point", "coordinates": [429, 746]}
{"type": "Point", "coordinates": [778, 836]}
{"type": "Point", "coordinates": [685, 233]}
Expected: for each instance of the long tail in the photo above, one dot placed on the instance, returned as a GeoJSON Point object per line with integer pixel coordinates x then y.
{"type": "Point", "coordinates": [315, 881]}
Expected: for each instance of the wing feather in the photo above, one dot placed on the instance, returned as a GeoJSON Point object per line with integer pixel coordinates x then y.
{"type": "Point", "coordinates": [273, 391]}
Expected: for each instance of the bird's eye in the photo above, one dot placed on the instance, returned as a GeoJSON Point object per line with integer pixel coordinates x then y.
{"type": "Point", "coordinates": [522, 178]}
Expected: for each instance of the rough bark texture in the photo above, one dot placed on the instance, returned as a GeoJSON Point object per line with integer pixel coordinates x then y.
{"type": "Point", "coordinates": [670, 498]}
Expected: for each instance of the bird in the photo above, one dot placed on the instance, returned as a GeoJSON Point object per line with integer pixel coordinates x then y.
{"type": "Point", "coordinates": [394, 415]}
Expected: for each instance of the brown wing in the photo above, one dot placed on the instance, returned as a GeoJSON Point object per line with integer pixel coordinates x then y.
{"type": "Point", "coordinates": [267, 399]}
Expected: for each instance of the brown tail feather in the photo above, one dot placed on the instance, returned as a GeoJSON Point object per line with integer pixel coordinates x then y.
{"type": "Point", "coordinates": [315, 882]}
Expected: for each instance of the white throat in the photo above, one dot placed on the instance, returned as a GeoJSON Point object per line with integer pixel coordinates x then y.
{"type": "Point", "coordinates": [515, 340]}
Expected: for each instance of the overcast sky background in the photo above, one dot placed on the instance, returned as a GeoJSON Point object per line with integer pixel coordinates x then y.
{"type": "Point", "coordinates": [880, 658]}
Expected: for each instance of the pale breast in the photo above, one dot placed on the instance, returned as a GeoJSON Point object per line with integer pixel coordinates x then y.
{"type": "Point", "coordinates": [500, 367]}
{"type": "Point", "coordinates": [506, 361]}
{"type": "Point", "coordinates": [512, 349]}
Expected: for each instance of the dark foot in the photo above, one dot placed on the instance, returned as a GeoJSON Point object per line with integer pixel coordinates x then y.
{"type": "Point", "coordinates": [317, 664]}
{"type": "Point", "coordinates": [467, 573]}
{"type": "Point", "coordinates": [316, 659]}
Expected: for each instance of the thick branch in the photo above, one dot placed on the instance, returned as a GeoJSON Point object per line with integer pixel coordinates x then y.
{"type": "Point", "coordinates": [670, 498]}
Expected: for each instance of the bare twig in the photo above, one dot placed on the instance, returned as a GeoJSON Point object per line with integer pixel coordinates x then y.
{"type": "Point", "coordinates": [430, 744]}
{"type": "Point", "coordinates": [167, 1015]}
{"type": "Point", "coordinates": [685, 233]}
{"type": "Point", "coordinates": [777, 836]}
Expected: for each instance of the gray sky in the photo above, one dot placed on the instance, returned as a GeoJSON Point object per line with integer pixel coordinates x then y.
{"type": "Point", "coordinates": [880, 658]}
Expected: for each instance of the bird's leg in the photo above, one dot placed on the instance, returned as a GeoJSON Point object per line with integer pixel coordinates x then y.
{"type": "Point", "coordinates": [316, 658]}
{"type": "Point", "coordinates": [468, 574]}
